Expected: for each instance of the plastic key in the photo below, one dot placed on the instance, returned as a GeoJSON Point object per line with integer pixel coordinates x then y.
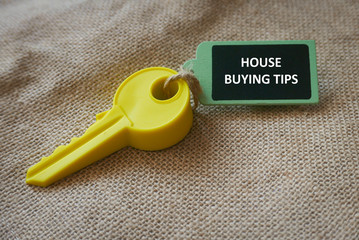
{"type": "Point", "coordinates": [143, 116]}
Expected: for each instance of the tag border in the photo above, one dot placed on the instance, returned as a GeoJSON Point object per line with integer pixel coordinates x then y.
{"type": "Point", "coordinates": [202, 68]}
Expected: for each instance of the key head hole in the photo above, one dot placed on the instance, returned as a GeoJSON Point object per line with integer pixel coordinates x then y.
{"type": "Point", "coordinates": [159, 93]}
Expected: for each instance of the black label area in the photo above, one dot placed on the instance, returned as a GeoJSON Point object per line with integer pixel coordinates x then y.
{"type": "Point", "coordinates": [260, 72]}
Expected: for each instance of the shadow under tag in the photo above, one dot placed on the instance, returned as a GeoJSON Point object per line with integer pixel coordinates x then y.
{"type": "Point", "coordinates": [256, 72]}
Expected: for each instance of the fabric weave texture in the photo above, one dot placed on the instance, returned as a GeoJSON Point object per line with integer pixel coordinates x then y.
{"type": "Point", "coordinates": [243, 172]}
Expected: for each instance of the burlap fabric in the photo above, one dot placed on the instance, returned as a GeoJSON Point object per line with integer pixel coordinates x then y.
{"type": "Point", "coordinates": [281, 172]}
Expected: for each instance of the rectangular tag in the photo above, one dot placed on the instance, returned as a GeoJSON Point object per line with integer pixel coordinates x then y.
{"type": "Point", "coordinates": [256, 72]}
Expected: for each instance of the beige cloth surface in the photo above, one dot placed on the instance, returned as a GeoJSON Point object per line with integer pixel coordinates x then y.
{"type": "Point", "coordinates": [281, 172]}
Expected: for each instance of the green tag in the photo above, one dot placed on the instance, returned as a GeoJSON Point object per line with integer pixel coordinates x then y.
{"type": "Point", "coordinates": [256, 72]}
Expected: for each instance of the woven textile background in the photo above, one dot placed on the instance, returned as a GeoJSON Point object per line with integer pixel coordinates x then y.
{"type": "Point", "coordinates": [243, 172]}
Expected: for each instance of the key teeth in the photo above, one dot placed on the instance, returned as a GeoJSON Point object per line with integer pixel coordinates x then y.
{"type": "Point", "coordinates": [88, 130]}
{"type": "Point", "coordinates": [32, 171]}
{"type": "Point", "coordinates": [74, 139]}
{"type": "Point", "coordinates": [36, 175]}
{"type": "Point", "coordinates": [58, 149]}
{"type": "Point", "coordinates": [99, 116]}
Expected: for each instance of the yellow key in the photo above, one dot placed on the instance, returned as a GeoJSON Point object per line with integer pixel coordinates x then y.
{"type": "Point", "coordinates": [143, 116]}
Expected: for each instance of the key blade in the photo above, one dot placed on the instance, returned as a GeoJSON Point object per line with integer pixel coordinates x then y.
{"type": "Point", "coordinates": [106, 136]}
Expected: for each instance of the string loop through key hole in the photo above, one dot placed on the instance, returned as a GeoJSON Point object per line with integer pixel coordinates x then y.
{"type": "Point", "coordinates": [160, 93]}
